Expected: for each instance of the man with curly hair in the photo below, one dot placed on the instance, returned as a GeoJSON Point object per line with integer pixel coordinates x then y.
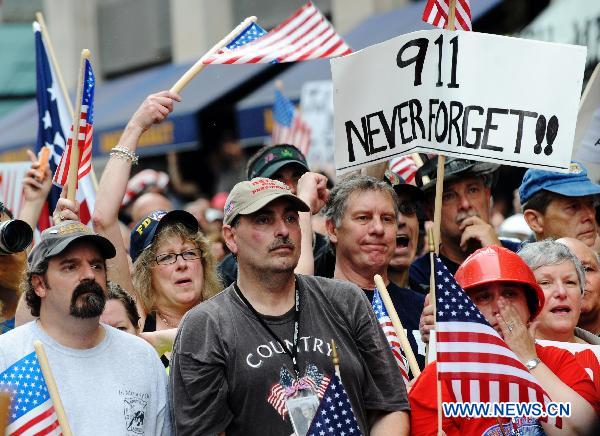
{"type": "Point", "coordinates": [66, 289]}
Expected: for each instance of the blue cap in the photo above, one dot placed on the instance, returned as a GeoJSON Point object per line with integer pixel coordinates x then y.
{"type": "Point", "coordinates": [575, 183]}
{"type": "Point", "coordinates": [144, 231]}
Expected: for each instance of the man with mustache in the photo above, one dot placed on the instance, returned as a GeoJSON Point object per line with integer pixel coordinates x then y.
{"type": "Point", "coordinates": [364, 217]}
{"type": "Point", "coordinates": [243, 358]}
{"type": "Point", "coordinates": [557, 205]}
{"type": "Point", "coordinates": [465, 224]}
{"type": "Point", "coordinates": [96, 367]}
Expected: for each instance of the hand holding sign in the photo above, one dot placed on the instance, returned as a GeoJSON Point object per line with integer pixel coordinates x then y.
{"type": "Point", "coordinates": [470, 95]}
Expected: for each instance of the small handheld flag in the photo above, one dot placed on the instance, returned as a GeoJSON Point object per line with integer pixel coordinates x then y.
{"type": "Point", "coordinates": [288, 125]}
{"type": "Point", "coordinates": [305, 35]}
{"type": "Point", "coordinates": [31, 411]}
{"type": "Point", "coordinates": [390, 334]}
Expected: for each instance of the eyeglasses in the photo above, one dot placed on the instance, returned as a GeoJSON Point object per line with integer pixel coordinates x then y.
{"type": "Point", "coordinates": [407, 208]}
{"type": "Point", "coordinates": [170, 258]}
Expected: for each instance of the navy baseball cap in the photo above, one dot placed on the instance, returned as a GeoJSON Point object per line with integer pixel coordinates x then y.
{"type": "Point", "coordinates": [575, 183]}
{"type": "Point", "coordinates": [144, 231]}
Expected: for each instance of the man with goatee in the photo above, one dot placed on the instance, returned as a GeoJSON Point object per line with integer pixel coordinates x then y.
{"type": "Point", "coordinates": [110, 382]}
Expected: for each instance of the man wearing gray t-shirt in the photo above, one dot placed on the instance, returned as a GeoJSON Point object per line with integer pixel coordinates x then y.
{"type": "Point", "coordinates": [243, 357]}
{"type": "Point", "coordinates": [109, 382]}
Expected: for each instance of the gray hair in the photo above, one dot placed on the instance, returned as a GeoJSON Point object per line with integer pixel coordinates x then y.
{"type": "Point", "coordinates": [338, 200]}
{"type": "Point", "coordinates": [550, 252]}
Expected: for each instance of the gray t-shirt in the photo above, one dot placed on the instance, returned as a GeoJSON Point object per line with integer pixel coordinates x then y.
{"type": "Point", "coordinates": [119, 387]}
{"type": "Point", "coordinates": [229, 374]}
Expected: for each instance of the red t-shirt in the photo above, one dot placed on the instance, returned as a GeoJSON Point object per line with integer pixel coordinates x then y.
{"type": "Point", "coordinates": [423, 399]}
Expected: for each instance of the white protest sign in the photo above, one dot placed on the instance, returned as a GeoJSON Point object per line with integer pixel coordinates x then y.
{"type": "Point", "coordinates": [466, 94]}
{"type": "Point", "coordinates": [588, 356]}
{"type": "Point", "coordinates": [316, 101]}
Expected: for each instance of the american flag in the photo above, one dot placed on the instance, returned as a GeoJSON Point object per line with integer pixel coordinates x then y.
{"type": "Point", "coordinates": [390, 333]}
{"type": "Point", "coordinates": [288, 125]}
{"type": "Point", "coordinates": [288, 386]}
{"type": "Point", "coordinates": [472, 356]}
{"type": "Point", "coordinates": [405, 167]}
{"type": "Point", "coordinates": [31, 411]}
{"type": "Point", "coordinates": [334, 415]}
{"type": "Point", "coordinates": [86, 130]}
{"type": "Point", "coordinates": [305, 35]}
{"type": "Point", "coordinates": [436, 13]}
{"type": "Point", "coordinates": [54, 121]}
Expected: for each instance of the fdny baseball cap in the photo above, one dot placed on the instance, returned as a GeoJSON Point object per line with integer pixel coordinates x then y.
{"type": "Point", "coordinates": [144, 231]}
{"type": "Point", "coordinates": [250, 196]}
{"type": "Point", "coordinates": [455, 168]}
{"type": "Point", "coordinates": [56, 239]}
{"type": "Point", "coordinates": [575, 183]}
{"type": "Point", "coordinates": [272, 159]}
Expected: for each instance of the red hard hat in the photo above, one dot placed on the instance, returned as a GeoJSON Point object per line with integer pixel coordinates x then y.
{"type": "Point", "coordinates": [497, 264]}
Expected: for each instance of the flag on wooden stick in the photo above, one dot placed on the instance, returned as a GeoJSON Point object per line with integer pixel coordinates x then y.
{"type": "Point", "coordinates": [31, 410]}
{"type": "Point", "coordinates": [54, 122]}
{"type": "Point", "coordinates": [436, 13]}
{"type": "Point", "coordinates": [390, 334]}
{"type": "Point", "coordinates": [305, 35]}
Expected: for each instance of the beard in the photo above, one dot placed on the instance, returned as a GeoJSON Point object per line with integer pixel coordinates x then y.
{"type": "Point", "coordinates": [88, 300]}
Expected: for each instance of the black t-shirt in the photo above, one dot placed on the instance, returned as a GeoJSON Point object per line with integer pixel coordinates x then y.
{"type": "Point", "coordinates": [408, 305]}
{"type": "Point", "coordinates": [419, 271]}
{"type": "Point", "coordinates": [229, 374]}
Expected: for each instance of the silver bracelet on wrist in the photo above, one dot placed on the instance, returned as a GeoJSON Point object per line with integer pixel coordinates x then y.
{"type": "Point", "coordinates": [124, 153]}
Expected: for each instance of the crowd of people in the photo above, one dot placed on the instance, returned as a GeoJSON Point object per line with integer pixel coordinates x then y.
{"type": "Point", "coordinates": [219, 317]}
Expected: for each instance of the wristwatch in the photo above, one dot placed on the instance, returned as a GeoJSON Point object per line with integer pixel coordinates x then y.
{"type": "Point", "coordinates": [531, 364]}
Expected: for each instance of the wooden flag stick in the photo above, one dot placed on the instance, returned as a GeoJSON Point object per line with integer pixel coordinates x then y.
{"type": "Point", "coordinates": [335, 358]}
{"type": "Point", "coordinates": [4, 406]}
{"type": "Point", "coordinates": [52, 388]}
{"type": "Point", "coordinates": [439, 191]}
{"type": "Point", "coordinates": [74, 158]}
{"type": "Point", "coordinates": [431, 247]}
{"type": "Point", "coordinates": [199, 65]}
{"type": "Point", "coordinates": [389, 306]}
{"type": "Point", "coordinates": [61, 82]}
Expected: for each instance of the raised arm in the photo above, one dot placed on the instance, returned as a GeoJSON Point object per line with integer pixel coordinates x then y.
{"type": "Point", "coordinates": [36, 186]}
{"type": "Point", "coordinates": [113, 183]}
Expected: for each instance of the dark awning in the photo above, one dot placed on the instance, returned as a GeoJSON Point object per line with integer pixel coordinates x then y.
{"type": "Point", "coordinates": [117, 100]}
{"type": "Point", "coordinates": [377, 28]}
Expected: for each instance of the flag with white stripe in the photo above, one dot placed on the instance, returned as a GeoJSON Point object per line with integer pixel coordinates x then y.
{"type": "Point", "coordinates": [31, 410]}
{"type": "Point", "coordinates": [436, 13]}
{"type": "Point", "coordinates": [405, 167]}
{"type": "Point", "coordinates": [472, 356]}
{"type": "Point", "coordinates": [390, 334]}
{"type": "Point", "coordinates": [288, 125]}
{"type": "Point", "coordinates": [54, 123]}
{"type": "Point", "coordinates": [305, 35]}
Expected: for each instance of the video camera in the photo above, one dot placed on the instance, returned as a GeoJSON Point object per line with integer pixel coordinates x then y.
{"type": "Point", "coordinates": [15, 235]}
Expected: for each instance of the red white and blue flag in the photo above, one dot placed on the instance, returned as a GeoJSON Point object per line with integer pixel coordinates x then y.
{"type": "Point", "coordinates": [390, 334]}
{"type": "Point", "coordinates": [31, 411]}
{"type": "Point", "coordinates": [288, 125]}
{"type": "Point", "coordinates": [436, 13]}
{"type": "Point", "coordinates": [305, 35]}
{"type": "Point", "coordinates": [288, 386]}
{"type": "Point", "coordinates": [405, 167]}
{"type": "Point", "coordinates": [54, 120]}
{"type": "Point", "coordinates": [334, 415]}
{"type": "Point", "coordinates": [471, 355]}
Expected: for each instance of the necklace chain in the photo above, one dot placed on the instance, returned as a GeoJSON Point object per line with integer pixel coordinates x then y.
{"type": "Point", "coordinates": [164, 320]}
